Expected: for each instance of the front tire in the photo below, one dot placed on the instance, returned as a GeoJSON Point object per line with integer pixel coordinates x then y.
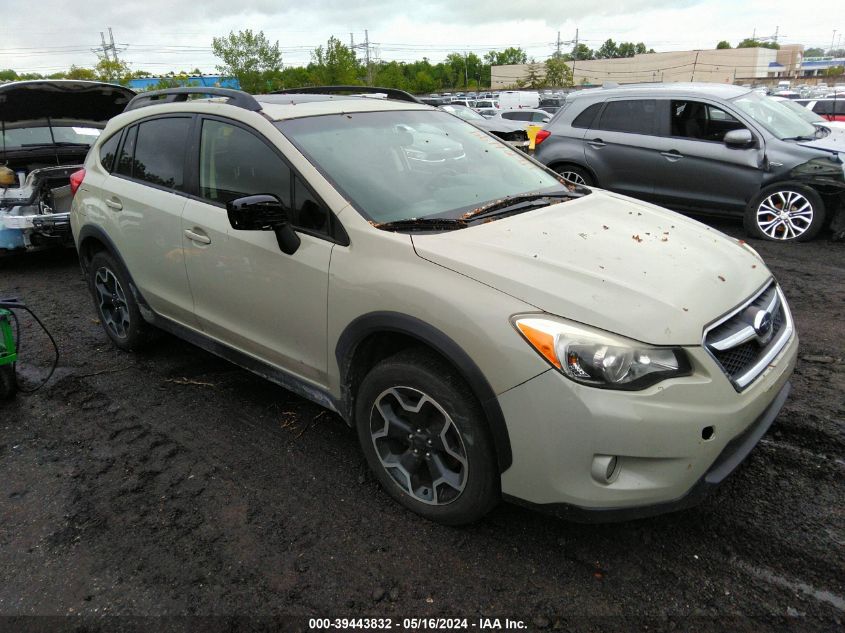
{"type": "Point", "coordinates": [116, 306]}
{"type": "Point", "coordinates": [785, 213]}
{"type": "Point", "coordinates": [426, 439]}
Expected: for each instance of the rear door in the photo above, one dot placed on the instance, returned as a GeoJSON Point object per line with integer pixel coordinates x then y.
{"type": "Point", "coordinates": [622, 146]}
{"type": "Point", "coordinates": [144, 198]}
{"type": "Point", "coordinates": [696, 170]}
{"type": "Point", "coordinates": [247, 292]}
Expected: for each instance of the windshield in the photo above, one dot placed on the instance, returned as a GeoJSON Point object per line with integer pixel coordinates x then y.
{"type": "Point", "coordinates": [399, 165]}
{"type": "Point", "coordinates": [774, 116]}
{"type": "Point", "coordinates": [464, 112]}
{"type": "Point", "coordinates": [42, 132]}
{"type": "Point", "coordinates": [805, 113]}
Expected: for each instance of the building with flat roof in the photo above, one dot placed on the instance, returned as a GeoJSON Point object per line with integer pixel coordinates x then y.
{"type": "Point", "coordinates": [727, 65]}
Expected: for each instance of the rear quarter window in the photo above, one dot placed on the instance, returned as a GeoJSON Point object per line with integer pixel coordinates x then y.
{"type": "Point", "coordinates": [588, 116]}
{"type": "Point", "coordinates": [108, 152]}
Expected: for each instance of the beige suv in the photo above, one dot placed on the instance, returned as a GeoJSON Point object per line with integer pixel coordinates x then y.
{"type": "Point", "coordinates": [490, 331]}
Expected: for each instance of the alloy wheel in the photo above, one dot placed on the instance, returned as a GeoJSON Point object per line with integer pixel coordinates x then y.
{"type": "Point", "coordinates": [574, 177]}
{"type": "Point", "coordinates": [111, 300]}
{"type": "Point", "coordinates": [419, 445]}
{"type": "Point", "coordinates": [784, 215]}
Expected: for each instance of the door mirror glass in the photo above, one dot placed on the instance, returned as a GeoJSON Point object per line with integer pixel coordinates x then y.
{"type": "Point", "coordinates": [264, 212]}
{"type": "Point", "coordinates": [739, 138]}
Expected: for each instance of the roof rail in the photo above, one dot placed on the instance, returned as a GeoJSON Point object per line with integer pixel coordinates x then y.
{"type": "Point", "coordinates": [236, 98]}
{"type": "Point", "coordinates": [392, 93]}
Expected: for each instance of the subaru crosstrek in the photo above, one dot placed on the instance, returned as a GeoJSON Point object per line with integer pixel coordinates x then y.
{"type": "Point", "coordinates": [489, 330]}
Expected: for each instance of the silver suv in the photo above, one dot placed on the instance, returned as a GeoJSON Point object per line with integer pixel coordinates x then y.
{"type": "Point", "coordinates": [488, 330]}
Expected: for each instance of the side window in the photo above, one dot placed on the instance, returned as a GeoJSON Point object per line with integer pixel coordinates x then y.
{"type": "Point", "coordinates": [540, 118]}
{"type": "Point", "coordinates": [700, 121]}
{"type": "Point", "coordinates": [236, 163]}
{"type": "Point", "coordinates": [108, 151]}
{"type": "Point", "coordinates": [127, 152]}
{"type": "Point", "coordinates": [822, 107]}
{"type": "Point", "coordinates": [635, 116]}
{"type": "Point", "coordinates": [840, 106]}
{"type": "Point", "coordinates": [511, 115]}
{"type": "Point", "coordinates": [160, 152]}
{"type": "Point", "coordinates": [586, 118]}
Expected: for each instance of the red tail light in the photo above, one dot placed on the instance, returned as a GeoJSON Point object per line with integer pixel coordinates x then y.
{"type": "Point", "coordinates": [76, 179]}
{"type": "Point", "coordinates": [542, 135]}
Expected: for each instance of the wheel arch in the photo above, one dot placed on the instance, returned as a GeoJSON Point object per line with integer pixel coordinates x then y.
{"type": "Point", "coordinates": [557, 164]}
{"type": "Point", "coordinates": [372, 337]}
{"type": "Point", "coordinates": [93, 240]}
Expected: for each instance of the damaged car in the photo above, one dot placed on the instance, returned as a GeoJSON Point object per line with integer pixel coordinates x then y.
{"type": "Point", "coordinates": [46, 130]}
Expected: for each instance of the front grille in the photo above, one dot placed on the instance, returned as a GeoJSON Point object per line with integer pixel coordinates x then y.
{"type": "Point", "coordinates": [745, 341]}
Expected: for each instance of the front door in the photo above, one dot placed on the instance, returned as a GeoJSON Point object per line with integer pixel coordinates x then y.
{"type": "Point", "coordinates": [697, 171]}
{"type": "Point", "coordinates": [247, 293]}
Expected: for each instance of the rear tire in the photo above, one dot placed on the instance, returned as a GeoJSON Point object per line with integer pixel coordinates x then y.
{"type": "Point", "coordinates": [785, 213]}
{"type": "Point", "coordinates": [576, 175]}
{"type": "Point", "coordinates": [426, 438]}
{"type": "Point", "coordinates": [115, 304]}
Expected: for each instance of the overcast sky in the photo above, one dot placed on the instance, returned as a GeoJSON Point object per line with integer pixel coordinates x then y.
{"type": "Point", "coordinates": [161, 35]}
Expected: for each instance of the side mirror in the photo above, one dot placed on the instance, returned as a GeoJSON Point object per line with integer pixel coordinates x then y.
{"type": "Point", "coordinates": [739, 138]}
{"type": "Point", "coordinates": [264, 212]}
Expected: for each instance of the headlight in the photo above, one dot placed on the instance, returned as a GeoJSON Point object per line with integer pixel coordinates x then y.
{"type": "Point", "coordinates": [600, 359]}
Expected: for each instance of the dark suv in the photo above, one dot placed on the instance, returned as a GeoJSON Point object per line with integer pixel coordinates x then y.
{"type": "Point", "coordinates": [709, 148]}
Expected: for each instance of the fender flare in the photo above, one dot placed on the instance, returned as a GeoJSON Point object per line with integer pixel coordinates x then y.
{"type": "Point", "coordinates": [396, 322]}
{"type": "Point", "coordinates": [95, 232]}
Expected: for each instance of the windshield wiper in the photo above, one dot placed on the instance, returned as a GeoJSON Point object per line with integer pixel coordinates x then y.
{"type": "Point", "coordinates": [799, 138]}
{"type": "Point", "coordinates": [422, 224]}
{"type": "Point", "coordinates": [527, 200]}
{"type": "Point", "coordinates": [56, 144]}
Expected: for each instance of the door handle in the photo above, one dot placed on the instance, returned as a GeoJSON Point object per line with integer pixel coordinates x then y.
{"type": "Point", "coordinates": [596, 143]}
{"type": "Point", "coordinates": [114, 203]}
{"type": "Point", "coordinates": [672, 155]}
{"type": "Point", "coordinates": [200, 238]}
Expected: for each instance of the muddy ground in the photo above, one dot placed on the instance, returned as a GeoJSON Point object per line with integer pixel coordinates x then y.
{"type": "Point", "coordinates": [174, 483]}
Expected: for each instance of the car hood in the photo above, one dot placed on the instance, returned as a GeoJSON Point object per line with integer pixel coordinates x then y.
{"type": "Point", "coordinates": [610, 262]}
{"type": "Point", "coordinates": [830, 143]}
{"type": "Point", "coordinates": [83, 101]}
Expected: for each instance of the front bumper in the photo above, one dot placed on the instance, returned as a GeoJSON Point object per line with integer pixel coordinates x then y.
{"type": "Point", "coordinates": [673, 442]}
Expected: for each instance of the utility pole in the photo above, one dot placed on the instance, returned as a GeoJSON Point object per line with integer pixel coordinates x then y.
{"type": "Point", "coordinates": [832, 39]}
{"type": "Point", "coordinates": [112, 46]}
{"type": "Point", "coordinates": [369, 69]}
{"type": "Point", "coordinates": [104, 48]}
{"type": "Point", "coordinates": [351, 42]}
{"type": "Point", "coordinates": [557, 45]}
{"type": "Point", "coordinates": [466, 73]}
{"type": "Point", "coordinates": [775, 38]}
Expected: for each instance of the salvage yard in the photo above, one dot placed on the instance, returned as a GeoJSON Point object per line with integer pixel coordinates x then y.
{"type": "Point", "coordinates": [173, 482]}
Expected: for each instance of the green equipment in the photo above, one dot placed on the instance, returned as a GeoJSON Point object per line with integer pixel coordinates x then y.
{"type": "Point", "coordinates": [8, 355]}
{"type": "Point", "coordinates": [10, 348]}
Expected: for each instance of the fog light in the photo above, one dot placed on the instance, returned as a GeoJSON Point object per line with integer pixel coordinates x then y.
{"type": "Point", "coordinates": [605, 468]}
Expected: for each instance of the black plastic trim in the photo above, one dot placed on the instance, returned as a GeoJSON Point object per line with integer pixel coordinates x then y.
{"type": "Point", "coordinates": [397, 322]}
{"type": "Point", "coordinates": [268, 372]}
{"type": "Point", "coordinates": [236, 98]}
{"type": "Point", "coordinates": [392, 93]}
{"type": "Point", "coordinates": [728, 460]}
{"type": "Point", "coordinates": [90, 231]}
